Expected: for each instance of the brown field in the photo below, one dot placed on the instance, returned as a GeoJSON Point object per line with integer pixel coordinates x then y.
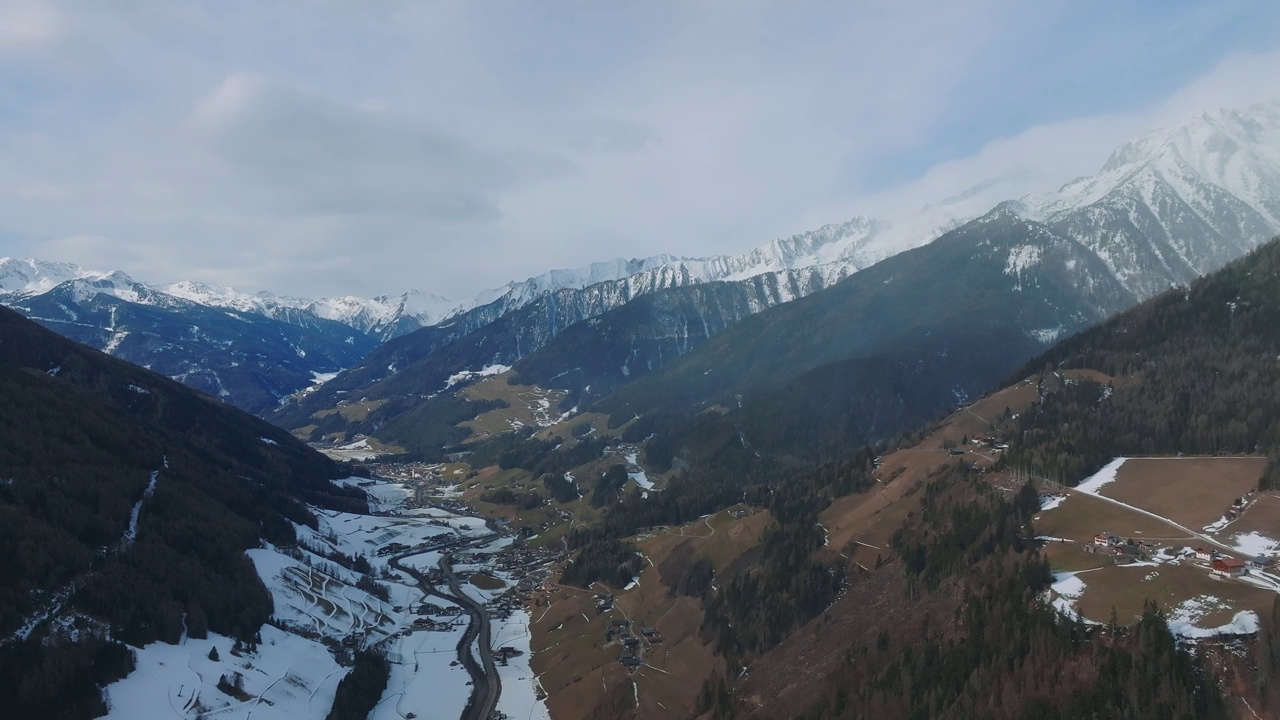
{"type": "Point", "coordinates": [598, 421]}
{"type": "Point", "coordinates": [485, 581]}
{"type": "Point", "coordinates": [1262, 517]}
{"type": "Point", "coordinates": [1126, 588]}
{"type": "Point", "coordinates": [353, 411]}
{"type": "Point", "coordinates": [1068, 557]}
{"type": "Point", "coordinates": [1082, 516]}
{"type": "Point", "coordinates": [1095, 375]}
{"type": "Point", "coordinates": [527, 405]}
{"type": "Point", "coordinates": [578, 669]}
{"type": "Point", "coordinates": [1192, 492]}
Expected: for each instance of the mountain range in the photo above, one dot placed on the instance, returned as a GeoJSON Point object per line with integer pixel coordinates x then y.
{"type": "Point", "coordinates": [1166, 207]}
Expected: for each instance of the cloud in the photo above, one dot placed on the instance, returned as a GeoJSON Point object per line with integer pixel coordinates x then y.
{"type": "Point", "coordinates": [28, 24]}
{"type": "Point", "coordinates": [293, 152]}
{"type": "Point", "coordinates": [372, 147]}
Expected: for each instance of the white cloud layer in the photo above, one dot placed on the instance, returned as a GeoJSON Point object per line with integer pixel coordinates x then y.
{"type": "Point", "coordinates": [372, 147]}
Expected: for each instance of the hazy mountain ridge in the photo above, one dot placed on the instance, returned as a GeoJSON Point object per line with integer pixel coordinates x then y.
{"type": "Point", "coordinates": [244, 358]}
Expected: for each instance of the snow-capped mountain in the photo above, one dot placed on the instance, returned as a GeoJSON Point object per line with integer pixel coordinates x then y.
{"type": "Point", "coordinates": [1167, 207]}
{"type": "Point", "coordinates": [231, 351]}
{"type": "Point", "coordinates": [383, 316]}
{"type": "Point", "coordinates": [1176, 203]}
{"type": "Point", "coordinates": [23, 277]}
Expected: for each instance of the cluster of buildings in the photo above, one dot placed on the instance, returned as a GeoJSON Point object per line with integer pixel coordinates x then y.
{"type": "Point", "coordinates": [633, 645]}
{"type": "Point", "coordinates": [1124, 551]}
{"type": "Point", "coordinates": [1121, 551]}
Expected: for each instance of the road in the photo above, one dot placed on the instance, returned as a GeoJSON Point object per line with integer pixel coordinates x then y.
{"type": "Point", "coordinates": [484, 696]}
{"type": "Point", "coordinates": [485, 682]}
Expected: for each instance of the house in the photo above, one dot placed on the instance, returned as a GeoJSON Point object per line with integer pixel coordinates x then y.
{"type": "Point", "coordinates": [1261, 562]}
{"type": "Point", "coordinates": [1229, 567]}
{"type": "Point", "coordinates": [648, 631]}
{"type": "Point", "coordinates": [1204, 554]}
{"type": "Point", "coordinates": [1101, 539]}
{"type": "Point", "coordinates": [630, 661]}
{"type": "Point", "coordinates": [632, 643]}
{"type": "Point", "coordinates": [620, 623]}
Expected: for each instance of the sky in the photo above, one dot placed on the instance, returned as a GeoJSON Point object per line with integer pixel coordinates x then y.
{"type": "Point", "coordinates": [329, 147]}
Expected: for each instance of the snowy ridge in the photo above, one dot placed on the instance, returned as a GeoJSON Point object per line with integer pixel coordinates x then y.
{"type": "Point", "coordinates": [1175, 203]}
{"type": "Point", "coordinates": [23, 277]}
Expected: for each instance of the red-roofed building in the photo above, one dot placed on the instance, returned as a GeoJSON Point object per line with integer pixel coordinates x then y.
{"type": "Point", "coordinates": [1229, 567]}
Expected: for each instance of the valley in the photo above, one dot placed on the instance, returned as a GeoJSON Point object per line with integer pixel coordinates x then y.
{"type": "Point", "coordinates": [441, 596]}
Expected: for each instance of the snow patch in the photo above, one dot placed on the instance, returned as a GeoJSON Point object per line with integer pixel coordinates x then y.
{"type": "Point", "coordinates": [1183, 618]}
{"type": "Point", "coordinates": [1105, 476]}
{"type": "Point", "coordinates": [1254, 543]}
{"type": "Point", "coordinates": [487, 371]}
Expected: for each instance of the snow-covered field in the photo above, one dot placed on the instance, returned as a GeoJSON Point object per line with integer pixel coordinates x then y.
{"type": "Point", "coordinates": [423, 681]}
{"type": "Point", "coordinates": [519, 684]}
{"type": "Point", "coordinates": [287, 677]}
{"type": "Point", "coordinates": [325, 600]}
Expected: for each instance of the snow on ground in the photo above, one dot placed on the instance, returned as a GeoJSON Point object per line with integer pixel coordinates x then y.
{"type": "Point", "coordinates": [319, 378]}
{"type": "Point", "coordinates": [1069, 587]}
{"type": "Point", "coordinates": [383, 496]}
{"type": "Point", "coordinates": [423, 681]}
{"type": "Point", "coordinates": [495, 545]}
{"type": "Point", "coordinates": [468, 374]}
{"type": "Point", "coordinates": [423, 562]}
{"type": "Point", "coordinates": [327, 604]}
{"type": "Point", "coordinates": [1217, 525]}
{"type": "Point", "coordinates": [639, 476]}
{"type": "Point", "coordinates": [519, 697]}
{"type": "Point", "coordinates": [288, 677]}
{"type": "Point", "coordinates": [364, 534]}
{"type": "Point", "coordinates": [1182, 619]}
{"type": "Point", "coordinates": [1105, 476]}
{"type": "Point", "coordinates": [1254, 543]}
{"type": "Point", "coordinates": [1049, 502]}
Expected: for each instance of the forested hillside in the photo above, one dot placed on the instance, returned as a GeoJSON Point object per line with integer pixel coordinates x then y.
{"type": "Point", "coordinates": [128, 500]}
{"type": "Point", "coordinates": [959, 631]}
{"type": "Point", "coordinates": [1193, 371]}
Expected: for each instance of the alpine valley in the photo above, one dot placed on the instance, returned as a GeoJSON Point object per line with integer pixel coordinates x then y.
{"type": "Point", "coordinates": [1013, 456]}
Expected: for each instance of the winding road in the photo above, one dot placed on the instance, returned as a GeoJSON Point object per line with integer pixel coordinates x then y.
{"type": "Point", "coordinates": [486, 684]}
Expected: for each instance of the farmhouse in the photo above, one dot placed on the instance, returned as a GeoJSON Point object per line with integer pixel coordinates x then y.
{"type": "Point", "coordinates": [1204, 554]}
{"type": "Point", "coordinates": [1261, 562]}
{"type": "Point", "coordinates": [1229, 567]}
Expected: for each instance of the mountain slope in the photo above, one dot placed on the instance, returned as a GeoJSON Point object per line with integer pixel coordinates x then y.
{"type": "Point", "coordinates": [243, 358]}
{"type": "Point", "coordinates": [996, 272]}
{"type": "Point", "coordinates": [127, 502]}
{"type": "Point", "coordinates": [1195, 370]}
{"type": "Point", "coordinates": [416, 366]}
{"type": "Point", "coordinates": [1190, 371]}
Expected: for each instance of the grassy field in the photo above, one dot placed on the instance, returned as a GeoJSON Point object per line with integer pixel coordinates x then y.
{"type": "Point", "coordinates": [1192, 492]}
{"type": "Point", "coordinates": [527, 406]}
{"type": "Point", "coordinates": [1082, 516]}
{"type": "Point", "coordinates": [1069, 557]}
{"type": "Point", "coordinates": [1127, 587]}
{"type": "Point", "coordinates": [485, 581]}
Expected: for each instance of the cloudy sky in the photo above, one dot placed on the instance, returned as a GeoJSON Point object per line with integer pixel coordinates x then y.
{"type": "Point", "coordinates": [331, 147]}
